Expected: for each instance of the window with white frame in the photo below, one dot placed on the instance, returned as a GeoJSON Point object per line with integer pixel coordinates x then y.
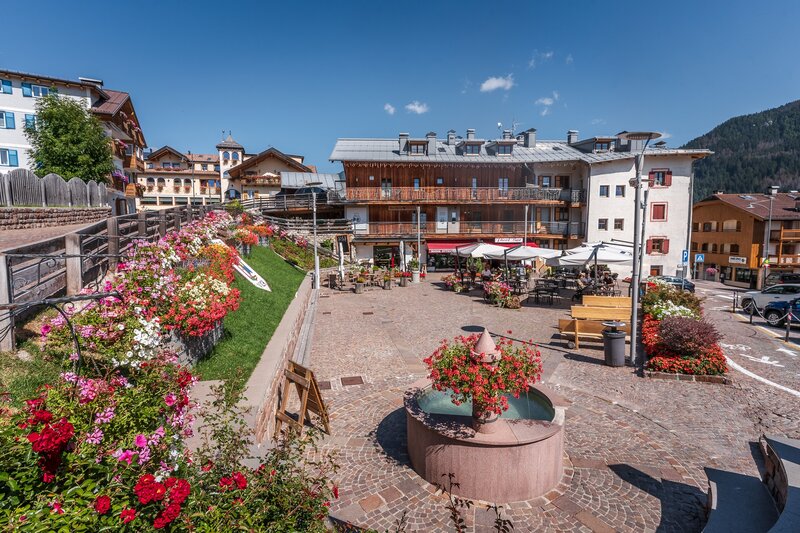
{"type": "Point", "coordinates": [504, 149]}
{"type": "Point", "coordinates": [472, 149]}
{"type": "Point", "coordinates": [3, 157]}
{"type": "Point", "coordinates": [620, 191]}
{"type": "Point", "coordinates": [619, 223]}
{"type": "Point", "coordinates": [602, 223]}
{"type": "Point", "coordinates": [39, 90]}
{"type": "Point", "coordinates": [604, 191]}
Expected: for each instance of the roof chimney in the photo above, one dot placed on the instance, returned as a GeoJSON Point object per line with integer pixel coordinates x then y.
{"type": "Point", "coordinates": [431, 136]}
{"type": "Point", "coordinates": [506, 134]}
{"type": "Point", "coordinates": [403, 142]}
{"type": "Point", "coordinates": [451, 137]}
{"type": "Point", "coordinates": [572, 136]}
{"type": "Point", "coordinates": [470, 134]}
{"type": "Point", "coordinates": [773, 190]}
{"type": "Point", "coordinates": [530, 138]}
{"type": "Point", "coordinates": [99, 83]}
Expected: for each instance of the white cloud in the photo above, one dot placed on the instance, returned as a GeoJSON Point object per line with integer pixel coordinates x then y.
{"type": "Point", "coordinates": [493, 83]}
{"type": "Point", "coordinates": [389, 108]}
{"type": "Point", "coordinates": [546, 102]}
{"type": "Point", "coordinates": [417, 107]}
{"type": "Point", "coordinates": [596, 121]}
{"type": "Point", "coordinates": [537, 58]}
{"type": "Point", "coordinates": [568, 60]}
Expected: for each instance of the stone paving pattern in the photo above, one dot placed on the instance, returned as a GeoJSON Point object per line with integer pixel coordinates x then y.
{"type": "Point", "coordinates": [635, 447]}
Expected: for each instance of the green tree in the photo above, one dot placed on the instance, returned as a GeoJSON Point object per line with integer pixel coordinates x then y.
{"type": "Point", "coordinates": [68, 140]}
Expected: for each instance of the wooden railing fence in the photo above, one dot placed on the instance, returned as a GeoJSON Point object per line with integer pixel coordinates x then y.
{"type": "Point", "coordinates": [22, 187]}
{"type": "Point", "coordinates": [72, 262]}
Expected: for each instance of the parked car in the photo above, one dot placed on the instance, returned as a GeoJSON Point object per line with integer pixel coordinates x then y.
{"type": "Point", "coordinates": [677, 282]}
{"type": "Point", "coordinates": [776, 293]}
{"type": "Point", "coordinates": [775, 312]}
{"type": "Point", "coordinates": [776, 278]}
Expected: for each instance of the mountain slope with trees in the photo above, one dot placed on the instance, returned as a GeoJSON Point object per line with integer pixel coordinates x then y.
{"type": "Point", "coordinates": [751, 152]}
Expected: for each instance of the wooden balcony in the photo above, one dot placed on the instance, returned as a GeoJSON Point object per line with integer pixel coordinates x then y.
{"type": "Point", "coordinates": [542, 230]}
{"type": "Point", "coordinates": [480, 195]}
{"type": "Point", "coordinates": [788, 260]}
{"type": "Point", "coordinates": [786, 235]}
{"type": "Point", "coordinates": [131, 162]}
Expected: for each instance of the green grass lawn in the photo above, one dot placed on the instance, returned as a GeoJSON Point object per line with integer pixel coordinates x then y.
{"type": "Point", "coordinates": [22, 378]}
{"type": "Point", "coordinates": [249, 329]}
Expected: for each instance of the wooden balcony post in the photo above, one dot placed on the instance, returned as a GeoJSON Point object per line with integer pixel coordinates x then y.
{"type": "Point", "coordinates": [112, 230]}
{"type": "Point", "coordinates": [74, 265]}
{"type": "Point", "coordinates": [141, 218]}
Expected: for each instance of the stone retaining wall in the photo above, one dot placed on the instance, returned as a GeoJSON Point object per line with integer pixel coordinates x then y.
{"type": "Point", "coordinates": [720, 380]}
{"type": "Point", "coordinates": [42, 217]}
{"type": "Point", "coordinates": [261, 393]}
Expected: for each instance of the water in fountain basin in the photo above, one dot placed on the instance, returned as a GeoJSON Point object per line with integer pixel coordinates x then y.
{"type": "Point", "coordinates": [529, 406]}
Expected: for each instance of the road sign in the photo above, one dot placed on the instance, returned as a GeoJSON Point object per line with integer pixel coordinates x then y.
{"type": "Point", "coordinates": [685, 256]}
{"type": "Point", "coordinates": [699, 258]}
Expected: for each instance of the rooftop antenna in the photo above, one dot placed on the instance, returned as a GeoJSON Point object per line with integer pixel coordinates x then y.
{"type": "Point", "coordinates": [223, 135]}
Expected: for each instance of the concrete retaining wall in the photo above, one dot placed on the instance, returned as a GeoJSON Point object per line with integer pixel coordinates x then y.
{"type": "Point", "coordinates": [41, 217]}
{"type": "Point", "coordinates": [261, 393]}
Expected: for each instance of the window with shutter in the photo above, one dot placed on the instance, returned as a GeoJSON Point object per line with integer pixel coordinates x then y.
{"type": "Point", "coordinates": [660, 178]}
{"type": "Point", "coordinates": [26, 90]}
{"type": "Point", "coordinates": [649, 246]}
{"type": "Point", "coordinates": [30, 121]}
{"type": "Point", "coordinates": [667, 178]}
{"type": "Point", "coordinates": [5, 85]}
{"type": "Point", "coordinates": [7, 120]}
{"type": "Point", "coordinates": [665, 246]}
{"type": "Point", "coordinates": [12, 158]}
{"type": "Point", "coordinates": [658, 212]}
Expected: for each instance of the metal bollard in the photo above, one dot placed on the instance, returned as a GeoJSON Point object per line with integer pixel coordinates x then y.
{"type": "Point", "coordinates": [752, 308]}
{"type": "Point", "coordinates": [735, 299]}
{"type": "Point", "coordinates": [788, 325]}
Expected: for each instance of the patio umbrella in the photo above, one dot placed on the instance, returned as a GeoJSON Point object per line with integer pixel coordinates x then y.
{"type": "Point", "coordinates": [523, 253]}
{"type": "Point", "coordinates": [479, 250]}
{"type": "Point", "coordinates": [583, 254]}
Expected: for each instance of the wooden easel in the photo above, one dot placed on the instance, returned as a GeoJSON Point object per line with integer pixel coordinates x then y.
{"type": "Point", "coordinates": [310, 399]}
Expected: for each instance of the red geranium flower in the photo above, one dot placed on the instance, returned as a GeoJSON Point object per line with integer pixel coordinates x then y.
{"type": "Point", "coordinates": [102, 504]}
{"type": "Point", "coordinates": [127, 515]}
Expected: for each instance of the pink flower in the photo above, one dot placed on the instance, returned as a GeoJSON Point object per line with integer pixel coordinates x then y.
{"type": "Point", "coordinates": [95, 437]}
{"type": "Point", "coordinates": [105, 417]}
{"type": "Point", "coordinates": [73, 356]}
{"type": "Point", "coordinates": [124, 455]}
{"type": "Point", "coordinates": [169, 399]}
{"type": "Point", "coordinates": [46, 329]}
{"type": "Point", "coordinates": [56, 505]}
{"type": "Point", "coordinates": [140, 441]}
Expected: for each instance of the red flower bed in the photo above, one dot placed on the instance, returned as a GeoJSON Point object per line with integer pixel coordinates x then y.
{"type": "Point", "coordinates": [660, 358]}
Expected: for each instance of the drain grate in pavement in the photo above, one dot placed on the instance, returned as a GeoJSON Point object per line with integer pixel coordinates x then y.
{"type": "Point", "coordinates": [326, 312]}
{"type": "Point", "coordinates": [367, 313]}
{"type": "Point", "coordinates": [324, 385]}
{"type": "Point", "coordinates": [324, 295]}
{"type": "Point", "coordinates": [352, 380]}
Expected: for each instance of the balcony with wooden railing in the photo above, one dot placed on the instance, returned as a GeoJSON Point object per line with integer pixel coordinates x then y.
{"type": "Point", "coordinates": [785, 234]}
{"type": "Point", "coordinates": [541, 230]}
{"type": "Point", "coordinates": [554, 196]}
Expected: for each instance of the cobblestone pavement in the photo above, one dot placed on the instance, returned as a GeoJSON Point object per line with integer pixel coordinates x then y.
{"type": "Point", "coordinates": [635, 448]}
{"type": "Point", "coordinates": [12, 238]}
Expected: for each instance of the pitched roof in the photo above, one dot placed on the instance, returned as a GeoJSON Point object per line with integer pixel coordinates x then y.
{"type": "Point", "coordinates": [203, 158]}
{"type": "Point", "coordinates": [269, 152]}
{"type": "Point", "coordinates": [784, 205]}
{"type": "Point", "coordinates": [295, 180]}
{"type": "Point", "coordinates": [111, 105]}
{"type": "Point", "coordinates": [388, 150]}
{"type": "Point", "coordinates": [37, 77]}
{"type": "Point", "coordinates": [229, 143]}
{"type": "Point", "coordinates": [164, 150]}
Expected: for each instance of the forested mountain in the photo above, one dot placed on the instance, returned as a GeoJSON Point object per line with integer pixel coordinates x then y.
{"type": "Point", "coordinates": [751, 152]}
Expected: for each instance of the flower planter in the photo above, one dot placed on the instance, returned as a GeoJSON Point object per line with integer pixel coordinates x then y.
{"type": "Point", "coordinates": [387, 284]}
{"type": "Point", "coordinates": [415, 276]}
{"type": "Point", "coordinates": [191, 349]}
{"type": "Point", "coordinates": [359, 288]}
{"type": "Point", "coordinates": [404, 281]}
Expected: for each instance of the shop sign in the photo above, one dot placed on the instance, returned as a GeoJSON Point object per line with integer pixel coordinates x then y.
{"type": "Point", "coordinates": [735, 260]}
{"type": "Point", "coordinates": [508, 240]}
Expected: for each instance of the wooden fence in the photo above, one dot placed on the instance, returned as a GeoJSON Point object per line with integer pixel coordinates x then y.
{"type": "Point", "coordinates": [68, 264]}
{"type": "Point", "coordinates": [22, 187]}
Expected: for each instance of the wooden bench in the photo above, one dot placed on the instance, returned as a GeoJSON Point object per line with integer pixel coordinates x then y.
{"type": "Point", "coordinates": [606, 301]}
{"type": "Point", "coordinates": [585, 312]}
{"type": "Point", "coordinates": [574, 330]}
{"type": "Point", "coordinates": [738, 503]}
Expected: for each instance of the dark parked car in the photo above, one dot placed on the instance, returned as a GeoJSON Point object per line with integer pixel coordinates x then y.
{"type": "Point", "coordinates": [776, 278]}
{"type": "Point", "coordinates": [775, 312]}
{"type": "Point", "coordinates": [677, 282]}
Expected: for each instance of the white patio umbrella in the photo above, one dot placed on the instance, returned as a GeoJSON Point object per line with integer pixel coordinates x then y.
{"type": "Point", "coordinates": [479, 250]}
{"type": "Point", "coordinates": [584, 254]}
{"type": "Point", "coordinates": [523, 253]}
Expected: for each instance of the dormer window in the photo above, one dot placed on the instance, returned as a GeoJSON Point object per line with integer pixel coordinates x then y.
{"type": "Point", "coordinates": [602, 146]}
{"type": "Point", "coordinates": [504, 149]}
{"type": "Point", "coordinates": [418, 149]}
{"type": "Point", "coordinates": [472, 149]}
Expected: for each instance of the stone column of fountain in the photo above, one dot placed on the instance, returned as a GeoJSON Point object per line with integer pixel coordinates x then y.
{"type": "Point", "coordinates": [484, 351]}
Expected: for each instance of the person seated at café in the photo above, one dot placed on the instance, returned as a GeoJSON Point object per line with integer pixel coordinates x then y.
{"type": "Point", "coordinates": [487, 275]}
{"type": "Point", "coordinates": [607, 279]}
{"type": "Point", "coordinates": [584, 279]}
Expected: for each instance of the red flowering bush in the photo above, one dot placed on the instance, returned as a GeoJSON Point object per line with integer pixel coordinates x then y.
{"type": "Point", "coordinates": [455, 368]}
{"type": "Point", "coordinates": [703, 358]}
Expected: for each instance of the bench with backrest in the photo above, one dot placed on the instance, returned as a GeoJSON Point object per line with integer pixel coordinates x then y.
{"type": "Point", "coordinates": [587, 322]}
{"type": "Point", "coordinates": [742, 503]}
{"type": "Point", "coordinates": [606, 301]}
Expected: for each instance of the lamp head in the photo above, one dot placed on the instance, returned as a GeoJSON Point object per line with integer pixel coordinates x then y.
{"type": "Point", "coordinates": [639, 135]}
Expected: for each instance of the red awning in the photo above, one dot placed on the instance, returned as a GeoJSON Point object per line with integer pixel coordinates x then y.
{"type": "Point", "coordinates": [446, 247]}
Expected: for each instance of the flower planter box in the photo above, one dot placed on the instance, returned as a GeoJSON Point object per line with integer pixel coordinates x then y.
{"type": "Point", "coordinates": [717, 379]}
{"type": "Point", "coordinates": [415, 276]}
{"type": "Point", "coordinates": [404, 281]}
{"type": "Point", "coordinates": [190, 349]}
{"type": "Point", "coordinates": [387, 284]}
{"type": "Point", "coordinates": [359, 288]}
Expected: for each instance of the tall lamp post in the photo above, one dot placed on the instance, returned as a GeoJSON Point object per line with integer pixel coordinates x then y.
{"type": "Point", "coordinates": [314, 211]}
{"type": "Point", "coordinates": [636, 183]}
{"type": "Point", "coordinates": [765, 248]}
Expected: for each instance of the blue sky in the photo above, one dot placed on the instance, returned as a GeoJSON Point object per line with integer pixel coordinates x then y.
{"type": "Point", "coordinates": [297, 75]}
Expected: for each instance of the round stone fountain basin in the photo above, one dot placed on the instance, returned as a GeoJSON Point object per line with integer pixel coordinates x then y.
{"type": "Point", "coordinates": [522, 460]}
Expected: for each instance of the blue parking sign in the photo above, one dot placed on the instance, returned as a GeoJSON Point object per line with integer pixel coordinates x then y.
{"type": "Point", "coordinates": [685, 256]}
{"type": "Point", "coordinates": [699, 258]}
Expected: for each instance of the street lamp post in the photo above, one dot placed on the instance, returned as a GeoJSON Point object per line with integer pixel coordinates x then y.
{"type": "Point", "coordinates": [314, 212]}
{"type": "Point", "coordinates": [765, 248]}
{"type": "Point", "coordinates": [636, 183]}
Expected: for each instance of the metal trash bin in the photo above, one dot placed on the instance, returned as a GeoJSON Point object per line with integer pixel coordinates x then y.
{"type": "Point", "coordinates": [614, 343]}
{"type": "Point", "coordinates": [332, 279]}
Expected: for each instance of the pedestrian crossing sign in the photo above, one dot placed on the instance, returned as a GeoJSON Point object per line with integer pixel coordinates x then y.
{"type": "Point", "coordinates": [765, 262]}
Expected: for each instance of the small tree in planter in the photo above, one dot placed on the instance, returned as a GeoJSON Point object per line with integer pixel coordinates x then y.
{"type": "Point", "coordinates": [413, 264]}
{"type": "Point", "coordinates": [475, 369]}
{"type": "Point", "coordinates": [387, 280]}
{"type": "Point", "coordinates": [360, 281]}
